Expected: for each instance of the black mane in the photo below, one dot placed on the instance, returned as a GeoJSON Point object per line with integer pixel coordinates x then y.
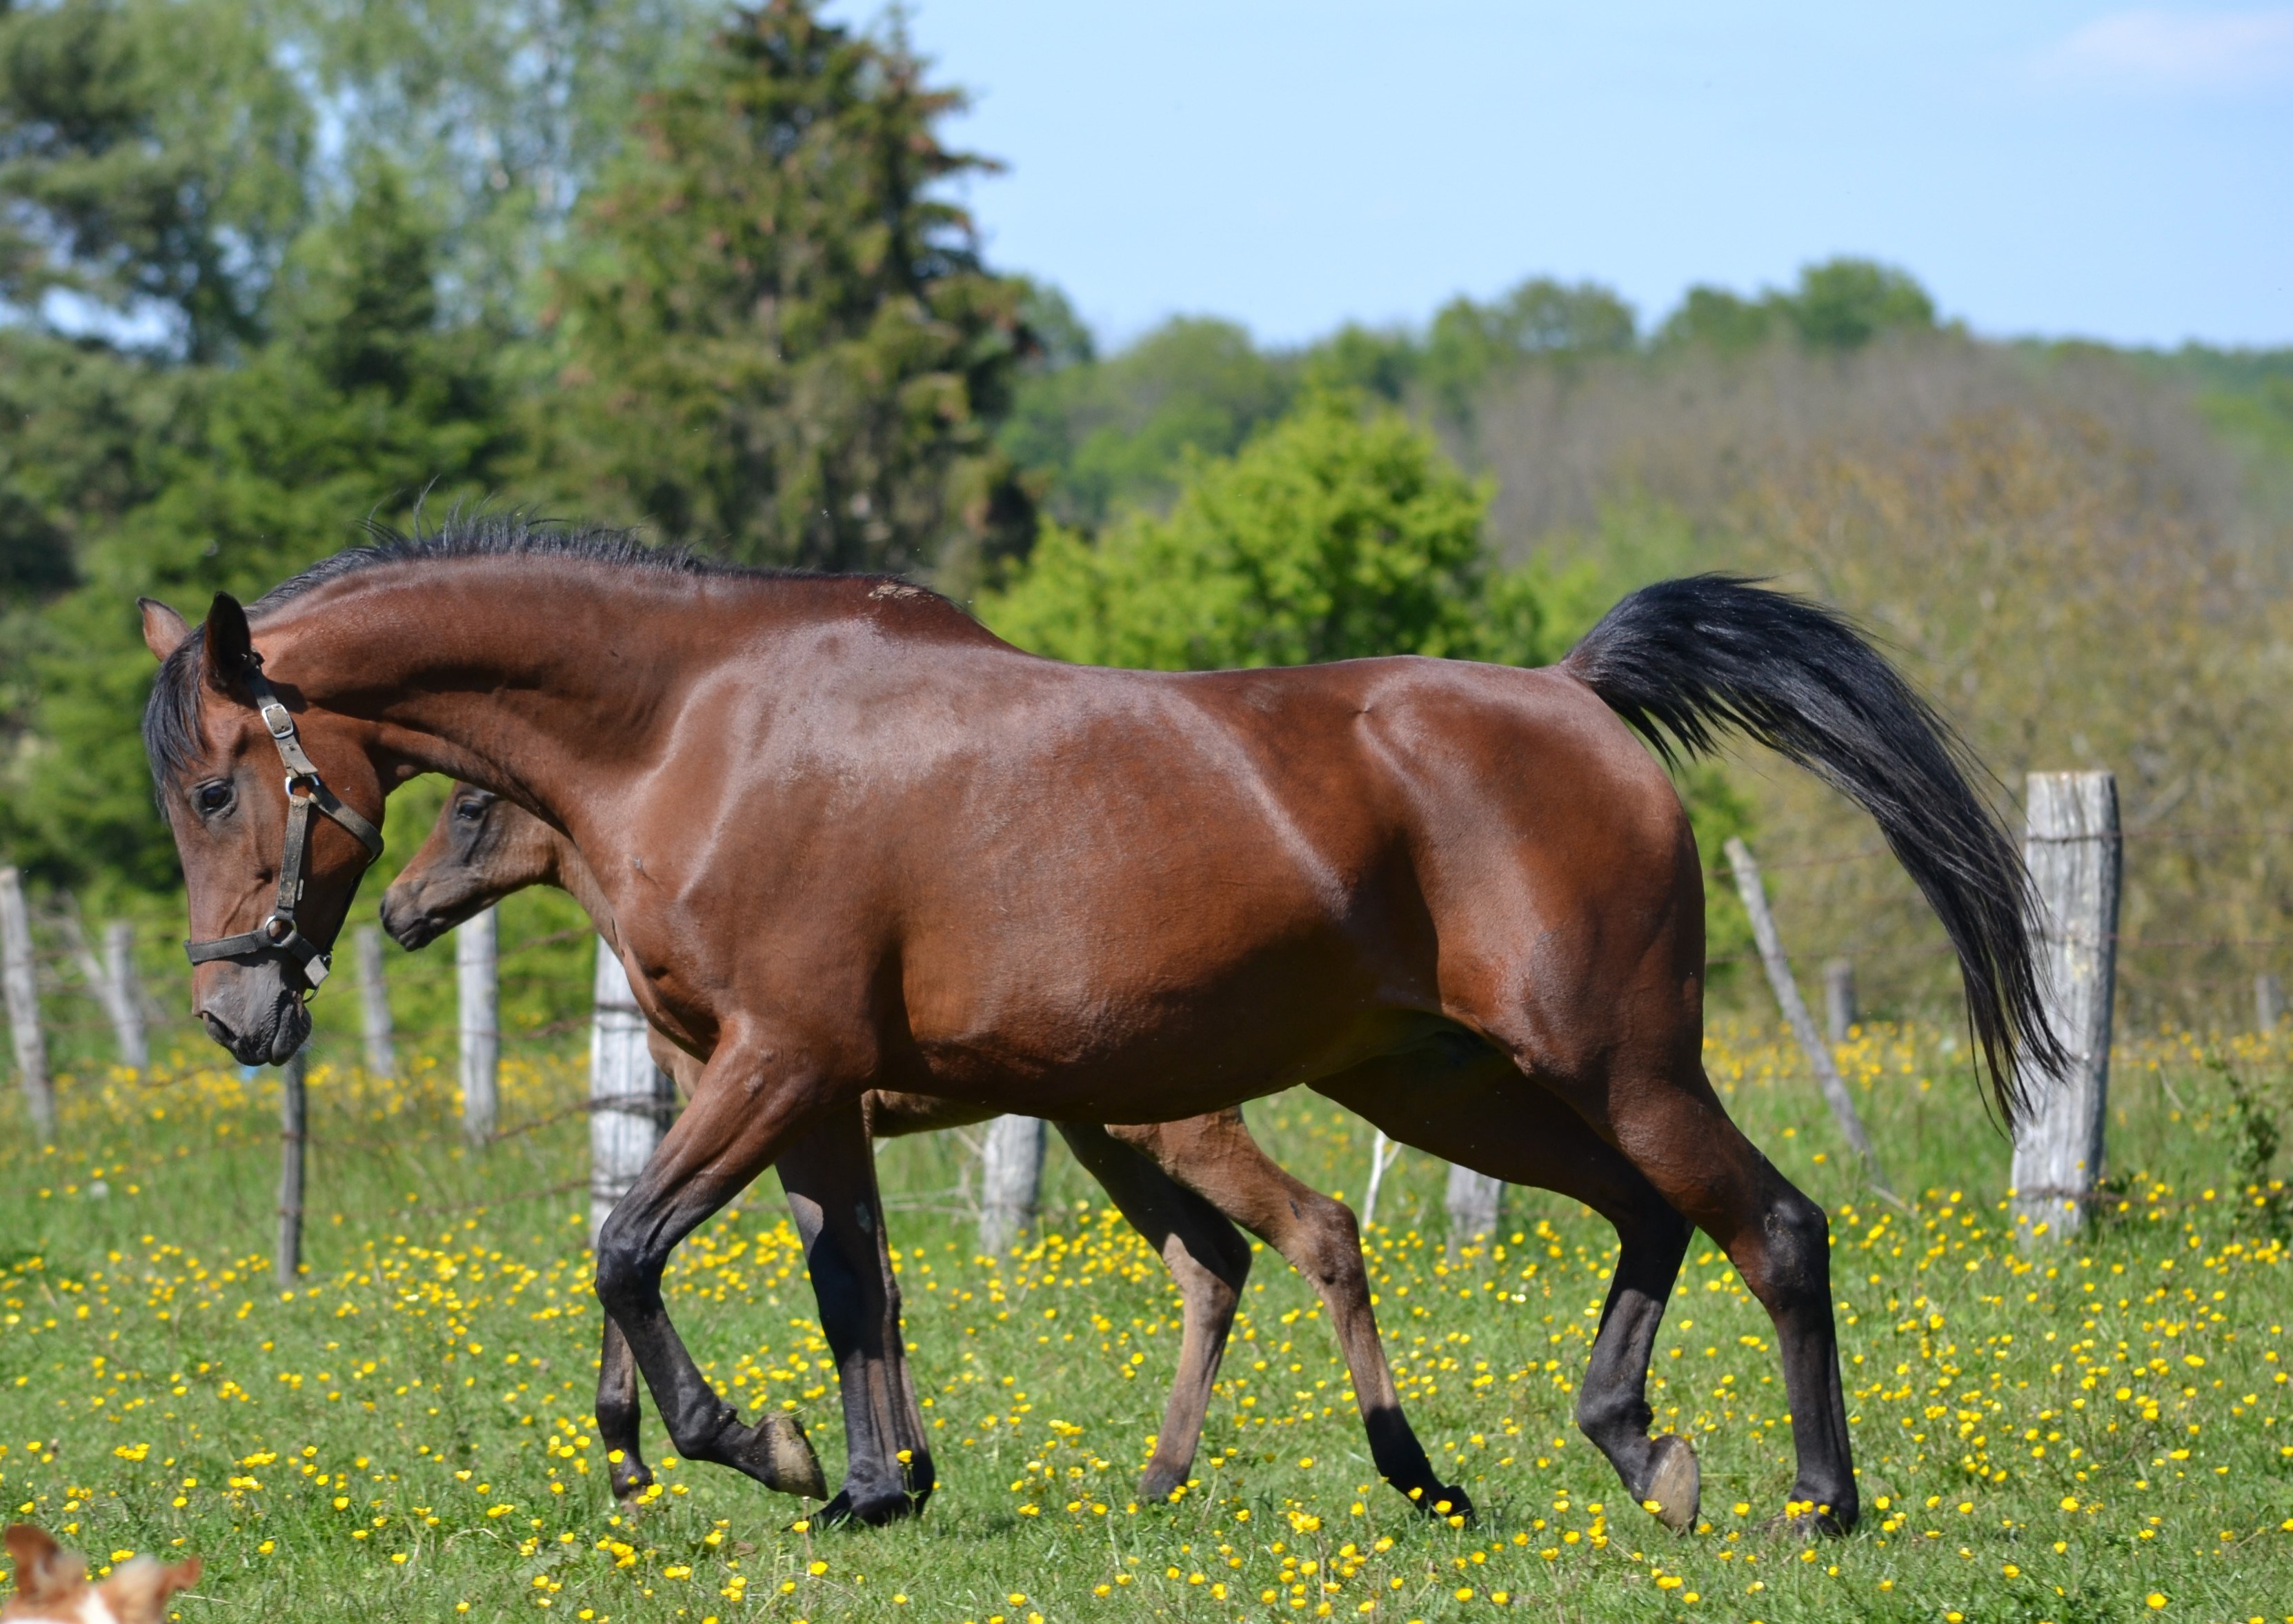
{"type": "Point", "coordinates": [171, 718]}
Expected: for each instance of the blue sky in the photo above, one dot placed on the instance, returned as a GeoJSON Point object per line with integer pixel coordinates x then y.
{"type": "Point", "coordinates": [2044, 167]}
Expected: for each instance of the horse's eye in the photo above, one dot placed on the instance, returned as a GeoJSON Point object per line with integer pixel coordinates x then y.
{"type": "Point", "coordinates": [469, 811]}
{"type": "Point", "coordinates": [211, 797]}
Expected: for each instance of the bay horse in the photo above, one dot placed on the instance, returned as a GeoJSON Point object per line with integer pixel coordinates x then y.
{"type": "Point", "coordinates": [1183, 1186]}
{"type": "Point", "coordinates": [851, 840]}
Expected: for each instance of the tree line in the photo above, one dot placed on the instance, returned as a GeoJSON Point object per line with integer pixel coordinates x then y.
{"type": "Point", "coordinates": [274, 273]}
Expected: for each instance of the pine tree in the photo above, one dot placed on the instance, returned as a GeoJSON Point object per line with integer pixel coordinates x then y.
{"type": "Point", "coordinates": [781, 343]}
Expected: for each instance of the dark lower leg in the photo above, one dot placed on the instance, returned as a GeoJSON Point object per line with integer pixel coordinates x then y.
{"type": "Point", "coordinates": [1216, 1157]}
{"type": "Point", "coordinates": [728, 1136]}
{"type": "Point", "coordinates": [1612, 1406]}
{"type": "Point", "coordinates": [1209, 1262]}
{"type": "Point", "coordinates": [831, 1178]}
{"type": "Point", "coordinates": [1786, 1262]}
{"type": "Point", "coordinates": [618, 1415]}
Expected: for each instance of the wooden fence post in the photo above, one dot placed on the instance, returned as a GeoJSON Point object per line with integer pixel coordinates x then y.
{"type": "Point", "coordinates": [294, 1137]}
{"type": "Point", "coordinates": [374, 1003]}
{"type": "Point", "coordinates": [126, 1020]}
{"type": "Point", "coordinates": [2268, 1001]}
{"type": "Point", "coordinates": [630, 1097]}
{"type": "Point", "coordinates": [1840, 1012]}
{"type": "Point", "coordinates": [1476, 1202]}
{"type": "Point", "coordinates": [21, 980]}
{"type": "Point", "coordinates": [1755, 893]}
{"type": "Point", "coordinates": [1011, 1179]}
{"type": "Point", "coordinates": [127, 992]}
{"type": "Point", "coordinates": [2072, 848]}
{"type": "Point", "coordinates": [474, 975]}
{"type": "Point", "coordinates": [1382, 1155]}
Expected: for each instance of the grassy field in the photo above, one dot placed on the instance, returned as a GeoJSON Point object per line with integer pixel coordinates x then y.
{"type": "Point", "coordinates": [2099, 1432]}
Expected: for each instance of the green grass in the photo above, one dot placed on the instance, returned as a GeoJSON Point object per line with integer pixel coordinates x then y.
{"type": "Point", "coordinates": [407, 1433]}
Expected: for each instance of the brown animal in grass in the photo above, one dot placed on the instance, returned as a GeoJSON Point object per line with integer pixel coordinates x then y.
{"type": "Point", "coordinates": [852, 840]}
{"type": "Point", "coordinates": [51, 1584]}
{"type": "Point", "coordinates": [1183, 1185]}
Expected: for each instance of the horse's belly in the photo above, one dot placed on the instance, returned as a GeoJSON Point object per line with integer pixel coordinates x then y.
{"type": "Point", "coordinates": [1105, 1038]}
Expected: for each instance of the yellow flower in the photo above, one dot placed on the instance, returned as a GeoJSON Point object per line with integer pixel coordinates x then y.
{"type": "Point", "coordinates": [2155, 1599]}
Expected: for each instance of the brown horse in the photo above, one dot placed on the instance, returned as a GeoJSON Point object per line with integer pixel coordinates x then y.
{"type": "Point", "coordinates": [1182, 1185]}
{"type": "Point", "coordinates": [851, 840]}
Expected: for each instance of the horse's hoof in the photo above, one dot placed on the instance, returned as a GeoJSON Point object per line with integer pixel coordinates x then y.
{"type": "Point", "coordinates": [777, 1454]}
{"type": "Point", "coordinates": [1676, 1485]}
{"type": "Point", "coordinates": [630, 1477]}
{"type": "Point", "coordinates": [844, 1510]}
{"type": "Point", "coordinates": [1160, 1481]}
{"type": "Point", "coordinates": [1447, 1503]}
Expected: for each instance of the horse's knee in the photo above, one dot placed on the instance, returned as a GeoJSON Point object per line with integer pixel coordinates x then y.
{"type": "Point", "coordinates": [1795, 1247]}
{"type": "Point", "coordinates": [627, 1277]}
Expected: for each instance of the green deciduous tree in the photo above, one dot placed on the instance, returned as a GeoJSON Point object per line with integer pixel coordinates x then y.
{"type": "Point", "coordinates": [781, 343]}
{"type": "Point", "coordinates": [1117, 433]}
{"type": "Point", "coordinates": [1469, 342]}
{"type": "Point", "coordinates": [1333, 534]}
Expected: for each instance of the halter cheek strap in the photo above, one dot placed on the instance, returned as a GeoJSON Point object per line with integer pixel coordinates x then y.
{"type": "Point", "coordinates": [306, 793]}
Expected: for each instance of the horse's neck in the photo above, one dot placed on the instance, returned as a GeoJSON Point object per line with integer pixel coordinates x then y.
{"type": "Point", "coordinates": [526, 679]}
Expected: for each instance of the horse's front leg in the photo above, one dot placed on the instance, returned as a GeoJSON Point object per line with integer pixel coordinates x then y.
{"type": "Point", "coordinates": [830, 1175]}
{"type": "Point", "coordinates": [753, 1100]}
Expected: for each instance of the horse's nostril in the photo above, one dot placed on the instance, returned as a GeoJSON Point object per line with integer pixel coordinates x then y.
{"type": "Point", "coordinates": [218, 1029]}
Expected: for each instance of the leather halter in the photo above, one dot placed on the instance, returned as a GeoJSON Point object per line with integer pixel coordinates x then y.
{"type": "Point", "coordinates": [306, 794]}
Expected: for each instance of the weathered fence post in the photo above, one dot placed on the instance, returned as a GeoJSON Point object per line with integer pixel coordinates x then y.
{"type": "Point", "coordinates": [21, 980]}
{"type": "Point", "coordinates": [2070, 845]}
{"type": "Point", "coordinates": [294, 1136]}
{"type": "Point", "coordinates": [1476, 1202]}
{"type": "Point", "coordinates": [630, 1097]}
{"type": "Point", "coordinates": [2268, 1001]}
{"type": "Point", "coordinates": [374, 1003]}
{"type": "Point", "coordinates": [127, 992]}
{"type": "Point", "coordinates": [119, 1007]}
{"type": "Point", "coordinates": [1840, 1012]}
{"type": "Point", "coordinates": [1011, 1179]}
{"type": "Point", "coordinates": [481, 1021]}
{"type": "Point", "coordinates": [1382, 1154]}
{"type": "Point", "coordinates": [1755, 893]}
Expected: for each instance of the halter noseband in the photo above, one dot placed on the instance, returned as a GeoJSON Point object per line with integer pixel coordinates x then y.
{"type": "Point", "coordinates": [306, 793]}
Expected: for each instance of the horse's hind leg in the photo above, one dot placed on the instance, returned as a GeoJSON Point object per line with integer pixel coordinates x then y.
{"type": "Point", "coordinates": [1209, 1260]}
{"type": "Point", "coordinates": [1670, 1126]}
{"type": "Point", "coordinates": [829, 1177]}
{"type": "Point", "coordinates": [618, 1415]}
{"type": "Point", "coordinates": [1469, 1104]}
{"type": "Point", "coordinates": [1216, 1157]}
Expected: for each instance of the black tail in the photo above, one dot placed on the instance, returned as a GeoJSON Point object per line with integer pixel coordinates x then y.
{"type": "Point", "coordinates": [1682, 659]}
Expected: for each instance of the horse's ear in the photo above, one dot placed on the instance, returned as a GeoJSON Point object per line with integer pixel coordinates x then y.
{"type": "Point", "coordinates": [230, 646]}
{"type": "Point", "coordinates": [163, 629]}
{"type": "Point", "coordinates": [45, 1572]}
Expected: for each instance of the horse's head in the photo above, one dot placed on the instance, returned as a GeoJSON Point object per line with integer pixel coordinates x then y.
{"type": "Point", "coordinates": [248, 778]}
{"type": "Point", "coordinates": [480, 849]}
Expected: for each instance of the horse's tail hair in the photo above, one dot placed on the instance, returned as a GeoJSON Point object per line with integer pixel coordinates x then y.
{"type": "Point", "coordinates": [1684, 660]}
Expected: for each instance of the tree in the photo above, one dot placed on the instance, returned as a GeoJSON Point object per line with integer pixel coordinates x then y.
{"type": "Point", "coordinates": [363, 404]}
{"type": "Point", "coordinates": [1470, 342]}
{"type": "Point", "coordinates": [151, 167]}
{"type": "Point", "coordinates": [1720, 320]}
{"type": "Point", "coordinates": [1843, 304]}
{"type": "Point", "coordinates": [782, 343]}
{"type": "Point", "coordinates": [1334, 533]}
{"type": "Point", "coordinates": [1117, 433]}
